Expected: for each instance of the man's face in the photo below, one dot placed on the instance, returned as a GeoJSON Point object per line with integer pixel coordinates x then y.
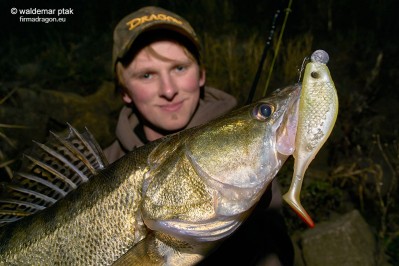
{"type": "Point", "coordinates": [164, 84]}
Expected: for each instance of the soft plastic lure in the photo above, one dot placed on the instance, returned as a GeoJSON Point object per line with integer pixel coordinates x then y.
{"type": "Point", "coordinates": [318, 109]}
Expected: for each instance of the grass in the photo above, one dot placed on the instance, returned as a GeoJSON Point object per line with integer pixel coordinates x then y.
{"type": "Point", "coordinates": [242, 57]}
{"type": "Point", "coordinates": [5, 161]}
{"type": "Point", "coordinates": [373, 180]}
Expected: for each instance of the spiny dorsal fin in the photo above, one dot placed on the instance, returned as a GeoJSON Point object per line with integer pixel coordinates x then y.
{"type": "Point", "coordinates": [49, 172]}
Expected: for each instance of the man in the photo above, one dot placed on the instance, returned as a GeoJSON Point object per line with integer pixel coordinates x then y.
{"type": "Point", "coordinates": [158, 70]}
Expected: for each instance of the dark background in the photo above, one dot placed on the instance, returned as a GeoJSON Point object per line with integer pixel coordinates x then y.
{"type": "Point", "coordinates": [358, 167]}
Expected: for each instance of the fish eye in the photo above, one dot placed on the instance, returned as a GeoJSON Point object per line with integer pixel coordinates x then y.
{"type": "Point", "coordinates": [262, 111]}
{"type": "Point", "coordinates": [315, 75]}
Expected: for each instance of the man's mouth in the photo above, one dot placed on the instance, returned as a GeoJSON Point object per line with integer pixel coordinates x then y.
{"type": "Point", "coordinates": [172, 107]}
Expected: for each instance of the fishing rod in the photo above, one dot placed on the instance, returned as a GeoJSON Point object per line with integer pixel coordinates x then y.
{"type": "Point", "coordinates": [265, 51]}
{"type": "Point", "coordinates": [287, 12]}
{"type": "Point", "coordinates": [263, 58]}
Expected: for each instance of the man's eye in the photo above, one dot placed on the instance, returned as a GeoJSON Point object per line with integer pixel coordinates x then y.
{"type": "Point", "coordinates": [180, 68]}
{"type": "Point", "coordinates": [146, 76]}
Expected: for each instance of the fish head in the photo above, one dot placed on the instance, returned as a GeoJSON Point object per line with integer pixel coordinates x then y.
{"type": "Point", "coordinates": [238, 155]}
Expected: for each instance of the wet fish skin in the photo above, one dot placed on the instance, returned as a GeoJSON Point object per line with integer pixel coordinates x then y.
{"type": "Point", "coordinates": [165, 203]}
{"type": "Point", "coordinates": [97, 218]}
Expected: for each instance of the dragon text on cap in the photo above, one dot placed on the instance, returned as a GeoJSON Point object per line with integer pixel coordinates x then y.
{"type": "Point", "coordinates": [154, 17]}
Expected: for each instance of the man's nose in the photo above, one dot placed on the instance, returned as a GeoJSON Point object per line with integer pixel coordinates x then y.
{"type": "Point", "coordinates": [168, 88]}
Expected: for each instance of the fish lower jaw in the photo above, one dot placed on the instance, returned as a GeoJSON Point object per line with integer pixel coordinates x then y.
{"type": "Point", "coordinates": [210, 230]}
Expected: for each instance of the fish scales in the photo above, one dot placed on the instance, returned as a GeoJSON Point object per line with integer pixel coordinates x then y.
{"type": "Point", "coordinates": [99, 218]}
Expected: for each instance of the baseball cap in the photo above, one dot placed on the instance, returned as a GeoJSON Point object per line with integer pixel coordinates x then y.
{"type": "Point", "coordinates": [143, 20]}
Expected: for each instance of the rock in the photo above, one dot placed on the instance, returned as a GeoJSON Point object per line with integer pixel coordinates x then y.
{"type": "Point", "coordinates": [298, 260]}
{"type": "Point", "coordinates": [347, 241]}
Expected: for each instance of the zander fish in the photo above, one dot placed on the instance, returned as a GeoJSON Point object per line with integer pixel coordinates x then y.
{"type": "Point", "coordinates": [167, 203]}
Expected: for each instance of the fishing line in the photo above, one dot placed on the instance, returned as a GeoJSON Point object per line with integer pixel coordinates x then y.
{"type": "Point", "coordinates": [302, 69]}
{"type": "Point", "coordinates": [287, 12]}
{"type": "Point", "coordinates": [263, 58]}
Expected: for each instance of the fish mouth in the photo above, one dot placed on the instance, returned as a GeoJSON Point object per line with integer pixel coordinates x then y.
{"type": "Point", "coordinates": [286, 132]}
{"type": "Point", "coordinates": [203, 231]}
{"type": "Point", "coordinates": [285, 142]}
